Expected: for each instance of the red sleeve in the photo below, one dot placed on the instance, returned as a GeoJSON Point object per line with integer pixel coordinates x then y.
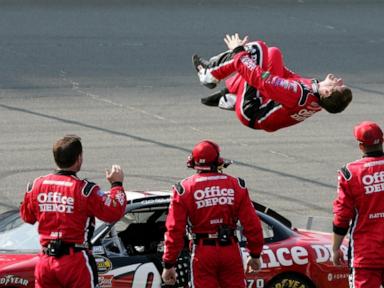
{"type": "Point", "coordinates": [175, 224]}
{"type": "Point", "coordinates": [290, 74]}
{"type": "Point", "coordinates": [107, 206]}
{"type": "Point", "coordinates": [26, 208]}
{"type": "Point", "coordinates": [343, 205]}
{"type": "Point", "coordinates": [284, 91]}
{"type": "Point", "coordinates": [251, 224]}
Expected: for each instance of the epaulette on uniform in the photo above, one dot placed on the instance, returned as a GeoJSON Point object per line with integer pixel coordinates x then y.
{"type": "Point", "coordinates": [179, 188]}
{"type": "Point", "coordinates": [88, 187]}
{"type": "Point", "coordinates": [241, 182]}
{"type": "Point", "coordinates": [346, 173]}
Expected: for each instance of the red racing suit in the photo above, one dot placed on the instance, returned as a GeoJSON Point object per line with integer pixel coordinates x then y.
{"type": "Point", "coordinates": [65, 207]}
{"type": "Point", "coordinates": [271, 99]}
{"type": "Point", "coordinates": [206, 201]}
{"type": "Point", "coordinates": [360, 199]}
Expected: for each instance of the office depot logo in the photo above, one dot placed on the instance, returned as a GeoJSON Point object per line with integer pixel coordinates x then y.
{"type": "Point", "coordinates": [55, 202]}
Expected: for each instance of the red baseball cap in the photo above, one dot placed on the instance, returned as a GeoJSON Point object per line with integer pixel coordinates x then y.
{"type": "Point", "coordinates": [368, 133]}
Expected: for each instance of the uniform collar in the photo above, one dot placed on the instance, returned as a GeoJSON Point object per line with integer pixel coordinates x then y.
{"type": "Point", "coordinates": [315, 88]}
{"type": "Point", "coordinates": [65, 172]}
{"type": "Point", "coordinates": [373, 154]}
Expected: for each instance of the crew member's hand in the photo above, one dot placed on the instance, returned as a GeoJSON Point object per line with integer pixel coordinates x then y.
{"type": "Point", "coordinates": [116, 174]}
{"type": "Point", "coordinates": [253, 265]}
{"type": "Point", "coordinates": [169, 276]}
{"type": "Point", "coordinates": [234, 41]}
{"type": "Point", "coordinates": [338, 257]}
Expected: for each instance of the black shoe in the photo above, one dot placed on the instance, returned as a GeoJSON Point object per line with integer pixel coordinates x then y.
{"type": "Point", "coordinates": [214, 99]}
{"type": "Point", "coordinates": [198, 61]}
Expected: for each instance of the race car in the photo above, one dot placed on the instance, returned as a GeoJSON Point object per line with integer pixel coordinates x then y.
{"type": "Point", "coordinates": [128, 252]}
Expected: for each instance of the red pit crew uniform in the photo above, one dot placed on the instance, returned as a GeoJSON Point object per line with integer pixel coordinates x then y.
{"type": "Point", "coordinates": [65, 207]}
{"type": "Point", "coordinates": [361, 199]}
{"type": "Point", "coordinates": [271, 98]}
{"type": "Point", "coordinates": [206, 201]}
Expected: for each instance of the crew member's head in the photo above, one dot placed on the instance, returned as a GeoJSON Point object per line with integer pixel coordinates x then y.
{"type": "Point", "coordinates": [334, 95]}
{"type": "Point", "coordinates": [205, 156]}
{"type": "Point", "coordinates": [68, 153]}
{"type": "Point", "coordinates": [370, 136]}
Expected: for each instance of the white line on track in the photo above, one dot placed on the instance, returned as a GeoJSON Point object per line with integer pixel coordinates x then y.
{"type": "Point", "coordinates": [77, 89]}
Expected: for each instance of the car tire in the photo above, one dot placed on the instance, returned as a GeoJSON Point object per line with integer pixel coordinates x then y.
{"type": "Point", "coordinates": [290, 281]}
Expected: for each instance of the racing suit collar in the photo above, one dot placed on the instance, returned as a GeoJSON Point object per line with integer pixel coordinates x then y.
{"type": "Point", "coordinates": [315, 88]}
{"type": "Point", "coordinates": [373, 154]}
{"type": "Point", "coordinates": [65, 172]}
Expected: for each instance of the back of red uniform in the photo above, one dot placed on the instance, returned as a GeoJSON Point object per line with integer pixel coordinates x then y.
{"type": "Point", "coordinates": [361, 199]}
{"type": "Point", "coordinates": [209, 200]}
{"type": "Point", "coordinates": [65, 207]}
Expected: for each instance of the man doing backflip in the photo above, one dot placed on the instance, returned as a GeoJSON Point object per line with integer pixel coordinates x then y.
{"type": "Point", "coordinates": [263, 92]}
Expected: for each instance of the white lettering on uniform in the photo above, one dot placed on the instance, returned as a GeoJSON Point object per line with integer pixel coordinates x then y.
{"type": "Point", "coordinates": [373, 183]}
{"type": "Point", "coordinates": [302, 114]}
{"type": "Point", "coordinates": [212, 196]}
{"type": "Point", "coordinates": [55, 202]}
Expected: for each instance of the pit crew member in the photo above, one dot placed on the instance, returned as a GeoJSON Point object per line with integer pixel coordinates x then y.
{"type": "Point", "coordinates": [211, 202]}
{"type": "Point", "coordinates": [65, 208]}
{"type": "Point", "coordinates": [359, 206]}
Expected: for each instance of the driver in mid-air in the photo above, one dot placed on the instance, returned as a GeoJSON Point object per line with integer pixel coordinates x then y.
{"type": "Point", "coordinates": [263, 92]}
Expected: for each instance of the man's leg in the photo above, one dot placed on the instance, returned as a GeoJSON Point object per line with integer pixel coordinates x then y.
{"type": "Point", "coordinates": [44, 276]}
{"type": "Point", "coordinates": [219, 67]}
{"type": "Point", "coordinates": [366, 278]}
{"type": "Point", "coordinates": [204, 266]}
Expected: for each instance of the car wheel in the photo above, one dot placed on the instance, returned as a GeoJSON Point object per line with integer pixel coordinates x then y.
{"type": "Point", "coordinates": [290, 281]}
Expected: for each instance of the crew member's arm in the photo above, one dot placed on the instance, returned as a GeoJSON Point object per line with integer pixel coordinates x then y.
{"type": "Point", "coordinates": [343, 210]}
{"type": "Point", "coordinates": [26, 208]}
{"type": "Point", "coordinates": [175, 224]}
{"type": "Point", "coordinates": [250, 222]}
{"type": "Point", "coordinates": [107, 206]}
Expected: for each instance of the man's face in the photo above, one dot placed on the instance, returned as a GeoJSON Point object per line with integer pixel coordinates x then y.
{"type": "Point", "coordinates": [332, 83]}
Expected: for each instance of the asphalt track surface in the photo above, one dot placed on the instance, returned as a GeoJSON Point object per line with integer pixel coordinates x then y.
{"type": "Point", "coordinates": [118, 73]}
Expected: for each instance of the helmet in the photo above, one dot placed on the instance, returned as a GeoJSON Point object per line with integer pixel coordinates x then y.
{"type": "Point", "coordinates": [205, 156]}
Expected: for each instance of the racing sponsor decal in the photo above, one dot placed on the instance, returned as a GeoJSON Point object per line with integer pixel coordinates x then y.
{"type": "Point", "coordinates": [373, 183]}
{"type": "Point", "coordinates": [55, 202]}
{"type": "Point", "coordinates": [105, 281]}
{"type": "Point", "coordinates": [120, 197]}
{"type": "Point", "coordinates": [103, 264]}
{"type": "Point", "coordinates": [212, 196]}
{"type": "Point", "coordinates": [98, 250]}
{"type": "Point", "coordinates": [289, 283]}
{"type": "Point", "coordinates": [302, 114]}
{"type": "Point", "coordinates": [283, 83]}
{"type": "Point", "coordinates": [337, 276]}
{"type": "Point", "coordinates": [295, 255]}
{"type": "Point", "coordinates": [13, 280]}
{"type": "Point", "coordinates": [248, 62]}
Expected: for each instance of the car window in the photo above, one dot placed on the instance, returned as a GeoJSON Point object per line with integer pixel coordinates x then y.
{"type": "Point", "coordinates": [15, 234]}
{"type": "Point", "coordinates": [268, 232]}
{"type": "Point", "coordinates": [138, 232]}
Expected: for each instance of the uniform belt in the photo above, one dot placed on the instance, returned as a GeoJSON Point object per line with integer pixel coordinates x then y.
{"type": "Point", "coordinates": [214, 242]}
{"type": "Point", "coordinates": [64, 249]}
{"type": "Point", "coordinates": [198, 236]}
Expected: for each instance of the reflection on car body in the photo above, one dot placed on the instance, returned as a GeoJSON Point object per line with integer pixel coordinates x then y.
{"type": "Point", "coordinates": [128, 252]}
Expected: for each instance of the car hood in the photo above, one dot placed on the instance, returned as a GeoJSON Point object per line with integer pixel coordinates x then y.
{"type": "Point", "coordinates": [12, 261]}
